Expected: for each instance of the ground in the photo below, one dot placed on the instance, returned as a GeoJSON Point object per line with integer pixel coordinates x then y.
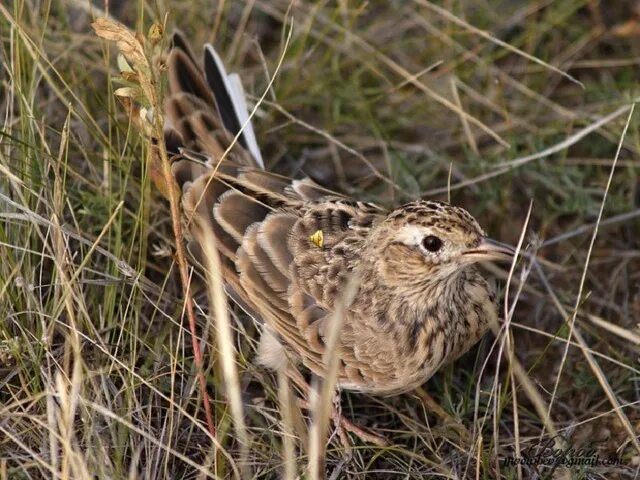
{"type": "Point", "coordinates": [497, 106]}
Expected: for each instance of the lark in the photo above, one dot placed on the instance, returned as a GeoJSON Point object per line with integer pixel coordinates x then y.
{"type": "Point", "coordinates": [290, 247]}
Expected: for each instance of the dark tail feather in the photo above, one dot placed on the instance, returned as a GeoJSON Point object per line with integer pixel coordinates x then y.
{"type": "Point", "coordinates": [206, 110]}
{"type": "Point", "coordinates": [230, 100]}
{"type": "Point", "coordinates": [178, 41]}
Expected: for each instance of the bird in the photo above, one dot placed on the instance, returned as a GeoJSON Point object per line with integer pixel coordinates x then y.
{"type": "Point", "coordinates": [290, 247]}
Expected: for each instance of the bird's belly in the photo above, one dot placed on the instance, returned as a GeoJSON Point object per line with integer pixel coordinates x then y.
{"type": "Point", "coordinates": [386, 365]}
{"type": "Point", "coordinates": [403, 383]}
{"type": "Point", "coordinates": [389, 368]}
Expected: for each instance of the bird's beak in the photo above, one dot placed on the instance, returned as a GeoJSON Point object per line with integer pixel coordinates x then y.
{"type": "Point", "coordinates": [489, 250]}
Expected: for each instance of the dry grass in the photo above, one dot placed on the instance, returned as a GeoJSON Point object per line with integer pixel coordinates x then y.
{"type": "Point", "coordinates": [493, 103]}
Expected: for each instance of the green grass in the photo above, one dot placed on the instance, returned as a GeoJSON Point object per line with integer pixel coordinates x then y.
{"type": "Point", "coordinates": [97, 376]}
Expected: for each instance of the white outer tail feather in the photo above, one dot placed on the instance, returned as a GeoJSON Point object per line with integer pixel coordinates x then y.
{"type": "Point", "coordinates": [234, 88]}
{"type": "Point", "coordinates": [240, 103]}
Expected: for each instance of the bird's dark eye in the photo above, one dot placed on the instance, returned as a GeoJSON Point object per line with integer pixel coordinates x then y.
{"type": "Point", "coordinates": [431, 243]}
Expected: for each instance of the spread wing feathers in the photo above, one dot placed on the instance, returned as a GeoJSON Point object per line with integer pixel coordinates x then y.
{"type": "Point", "coordinates": [263, 284]}
{"type": "Point", "coordinates": [273, 237]}
{"type": "Point", "coordinates": [236, 212]}
{"type": "Point", "coordinates": [310, 191]}
{"type": "Point", "coordinates": [264, 229]}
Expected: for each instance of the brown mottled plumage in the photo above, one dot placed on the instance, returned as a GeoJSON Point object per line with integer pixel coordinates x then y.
{"type": "Point", "coordinates": [420, 303]}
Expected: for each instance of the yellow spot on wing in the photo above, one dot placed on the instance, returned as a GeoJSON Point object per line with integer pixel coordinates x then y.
{"type": "Point", "coordinates": [317, 238]}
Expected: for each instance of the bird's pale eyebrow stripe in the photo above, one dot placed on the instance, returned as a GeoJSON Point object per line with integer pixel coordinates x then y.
{"type": "Point", "coordinates": [410, 234]}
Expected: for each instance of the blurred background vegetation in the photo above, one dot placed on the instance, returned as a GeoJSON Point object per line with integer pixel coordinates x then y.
{"type": "Point", "coordinates": [491, 104]}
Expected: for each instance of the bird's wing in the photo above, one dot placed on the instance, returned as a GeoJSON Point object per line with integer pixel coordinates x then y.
{"type": "Point", "coordinates": [287, 256]}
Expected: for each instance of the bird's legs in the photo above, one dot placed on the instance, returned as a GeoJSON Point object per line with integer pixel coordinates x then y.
{"type": "Point", "coordinates": [341, 423]}
{"type": "Point", "coordinates": [433, 406]}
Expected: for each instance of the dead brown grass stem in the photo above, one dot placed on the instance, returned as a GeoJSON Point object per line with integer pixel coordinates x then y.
{"type": "Point", "coordinates": [149, 77]}
{"type": "Point", "coordinates": [571, 319]}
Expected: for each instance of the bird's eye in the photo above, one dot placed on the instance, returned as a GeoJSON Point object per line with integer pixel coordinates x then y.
{"type": "Point", "coordinates": [431, 243]}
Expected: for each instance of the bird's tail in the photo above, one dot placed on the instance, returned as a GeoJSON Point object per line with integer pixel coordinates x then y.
{"type": "Point", "coordinates": [215, 158]}
{"type": "Point", "coordinates": [206, 111]}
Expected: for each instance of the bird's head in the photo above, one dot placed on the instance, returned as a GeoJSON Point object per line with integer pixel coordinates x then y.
{"type": "Point", "coordinates": [426, 241]}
